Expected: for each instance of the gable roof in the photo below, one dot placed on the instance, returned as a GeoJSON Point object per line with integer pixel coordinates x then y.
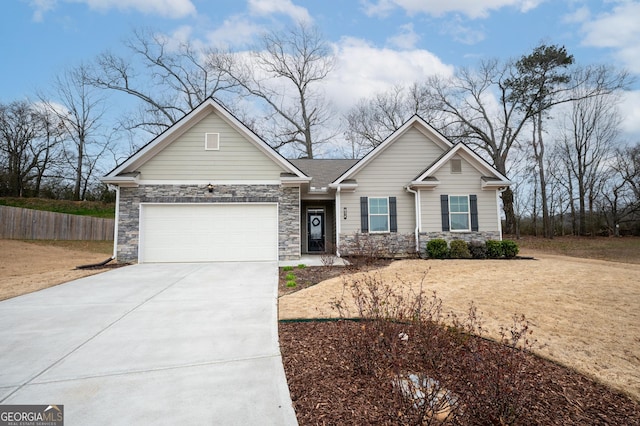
{"type": "Point", "coordinates": [323, 171]}
{"type": "Point", "coordinates": [491, 177]}
{"type": "Point", "coordinates": [414, 122]}
{"type": "Point", "coordinates": [148, 151]}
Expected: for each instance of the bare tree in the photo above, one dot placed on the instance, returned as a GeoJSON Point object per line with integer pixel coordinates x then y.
{"type": "Point", "coordinates": [284, 74]}
{"type": "Point", "coordinates": [168, 79]}
{"type": "Point", "coordinates": [492, 105]}
{"type": "Point", "coordinates": [79, 109]}
{"type": "Point", "coordinates": [590, 134]}
{"type": "Point", "coordinates": [25, 147]}
{"type": "Point", "coordinates": [373, 119]}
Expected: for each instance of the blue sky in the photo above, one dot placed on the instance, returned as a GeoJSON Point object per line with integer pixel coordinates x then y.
{"type": "Point", "coordinates": [378, 43]}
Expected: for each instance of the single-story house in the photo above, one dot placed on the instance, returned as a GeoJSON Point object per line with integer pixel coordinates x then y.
{"type": "Point", "coordinates": [209, 189]}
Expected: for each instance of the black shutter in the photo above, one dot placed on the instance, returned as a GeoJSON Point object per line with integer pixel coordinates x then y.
{"type": "Point", "coordinates": [364, 215]}
{"type": "Point", "coordinates": [393, 216]}
{"type": "Point", "coordinates": [473, 205]}
{"type": "Point", "coordinates": [444, 210]}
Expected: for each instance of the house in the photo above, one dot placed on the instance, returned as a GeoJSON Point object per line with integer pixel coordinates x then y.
{"type": "Point", "coordinates": [209, 189]}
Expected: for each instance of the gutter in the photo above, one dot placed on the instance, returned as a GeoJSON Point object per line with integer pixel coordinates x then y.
{"type": "Point", "coordinates": [417, 207]}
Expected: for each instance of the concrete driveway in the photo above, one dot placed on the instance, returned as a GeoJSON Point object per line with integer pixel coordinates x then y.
{"type": "Point", "coordinates": [150, 344]}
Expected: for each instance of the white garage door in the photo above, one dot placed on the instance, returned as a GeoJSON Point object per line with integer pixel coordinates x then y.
{"type": "Point", "coordinates": [208, 232]}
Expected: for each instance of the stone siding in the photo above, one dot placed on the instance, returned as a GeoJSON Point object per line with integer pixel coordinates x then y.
{"type": "Point", "coordinates": [425, 237]}
{"type": "Point", "coordinates": [130, 199]}
{"type": "Point", "coordinates": [392, 245]}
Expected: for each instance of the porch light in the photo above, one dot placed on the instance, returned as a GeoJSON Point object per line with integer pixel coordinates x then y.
{"type": "Point", "coordinates": [210, 188]}
{"type": "Point", "coordinates": [344, 213]}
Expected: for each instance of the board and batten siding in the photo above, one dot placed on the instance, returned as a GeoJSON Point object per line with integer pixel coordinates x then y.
{"type": "Point", "coordinates": [186, 159]}
{"type": "Point", "coordinates": [387, 175]}
{"type": "Point", "coordinates": [465, 183]}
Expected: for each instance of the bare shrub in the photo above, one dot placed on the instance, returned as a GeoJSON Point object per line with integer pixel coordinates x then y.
{"type": "Point", "coordinates": [449, 381]}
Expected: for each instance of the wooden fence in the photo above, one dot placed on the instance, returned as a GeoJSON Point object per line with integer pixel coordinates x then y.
{"type": "Point", "coordinates": [27, 224]}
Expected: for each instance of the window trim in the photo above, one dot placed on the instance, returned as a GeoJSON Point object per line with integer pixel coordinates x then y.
{"type": "Point", "coordinates": [387, 215]}
{"type": "Point", "coordinates": [468, 214]}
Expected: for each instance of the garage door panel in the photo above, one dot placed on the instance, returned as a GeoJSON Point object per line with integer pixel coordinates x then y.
{"type": "Point", "coordinates": [208, 233]}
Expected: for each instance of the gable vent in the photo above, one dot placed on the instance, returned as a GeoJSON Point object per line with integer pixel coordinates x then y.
{"type": "Point", "coordinates": [212, 141]}
{"type": "Point", "coordinates": [456, 165]}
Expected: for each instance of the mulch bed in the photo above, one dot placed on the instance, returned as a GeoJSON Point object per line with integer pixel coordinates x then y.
{"type": "Point", "coordinates": [328, 388]}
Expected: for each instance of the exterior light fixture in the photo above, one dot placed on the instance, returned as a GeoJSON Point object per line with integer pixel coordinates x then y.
{"type": "Point", "coordinates": [210, 188]}
{"type": "Point", "coordinates": [344, 212]}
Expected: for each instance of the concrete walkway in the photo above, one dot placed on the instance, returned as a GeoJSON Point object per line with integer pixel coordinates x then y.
{"type": "Point", "coordinates": [153, 344]}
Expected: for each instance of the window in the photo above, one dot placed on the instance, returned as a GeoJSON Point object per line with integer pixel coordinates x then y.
{"type": "Point", "coordinates": [459, 212]}
{"type": "Point", "coordinates": [378, 215]}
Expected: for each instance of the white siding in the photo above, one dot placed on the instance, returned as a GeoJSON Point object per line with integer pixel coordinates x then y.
{"type": "Point", "coordinates": [466, 183]}
{"type": "Point", "coordinates": [387, 175]}
{"type": "Point", "coordinates": [186, 159]}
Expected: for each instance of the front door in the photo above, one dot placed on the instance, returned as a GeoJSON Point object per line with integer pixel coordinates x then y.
{"type": "Point", "coordinates": [315, 228]}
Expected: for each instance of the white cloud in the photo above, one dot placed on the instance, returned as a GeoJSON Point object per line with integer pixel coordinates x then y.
{"type": "Point", "coordinates": [40, 7]}
{"type": "Point", "coordinates": [234, 31]}
{"type": "Point", "coordinates": [285, 7]}
{"type": "Point", "coordinates": [462, 33]}
{"type": "Point", "coordinates": [618, 30]}
{"type": "Point", "coordinates": [405, 39]}
{"type": "Point", "coordinates": [363, 69]}
{"type": "Point", "coordinates": [470, 8]}
{"type": "Point", "coordinates": [630, 110]}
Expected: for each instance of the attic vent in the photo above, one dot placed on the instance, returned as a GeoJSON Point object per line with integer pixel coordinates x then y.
{"type": "Point", "coordinates": [211, 141]}
{"type": "Point", "coordinates": [456, 165]}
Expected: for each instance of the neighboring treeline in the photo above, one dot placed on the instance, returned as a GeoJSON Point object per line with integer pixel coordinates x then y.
{"type": "Point", "coordinates": [552, 126]}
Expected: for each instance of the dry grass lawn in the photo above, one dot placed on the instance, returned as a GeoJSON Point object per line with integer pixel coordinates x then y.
{"type": "Point", "coordinates": [31, 266]}
{"type": "Point", "coordinates": [585, 313]}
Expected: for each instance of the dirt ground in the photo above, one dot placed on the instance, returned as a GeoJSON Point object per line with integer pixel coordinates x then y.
{"type": "Point", "coordinates": [585, 313]}
{"type": "Point", "coordinates": [27, 267]}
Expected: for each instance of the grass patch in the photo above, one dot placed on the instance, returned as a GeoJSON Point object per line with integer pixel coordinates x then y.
{"type": "Point", "coordinates": [81, 208]}
{"type": "Point", "coordinates": [624, 249]}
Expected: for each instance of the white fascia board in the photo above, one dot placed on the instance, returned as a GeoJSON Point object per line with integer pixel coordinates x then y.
{"type": "Point", "coordinates": [346, 187]}
{"type": "Point", "coordinates": [294, 181]}
{"type": "Point", "coordinates": [502, 184]}
{"type": "Point", "coordinates": [421, 184]}
{"type": "Point", "coordinates": [128, 181]}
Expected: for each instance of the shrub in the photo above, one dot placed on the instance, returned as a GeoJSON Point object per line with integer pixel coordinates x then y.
{"type": "Point", "coordinates": [290, 277]}
{"type": "Point", "coordinates": [291, 283]}
{"type": "Point", "coordinates": [437, 249]}
{"type": "Point", "coordinates": [287, 268]}
{"type": "Point", "coordinates": [302, 266]}
{"type": "Point", "coordinates": [459, 250]}
{"type": "Point", "coordinates": [478, 249]}
{"type": "Point", "coordinates": [510, 249]}
{"type": "Point", "coordinates": [494, 249]}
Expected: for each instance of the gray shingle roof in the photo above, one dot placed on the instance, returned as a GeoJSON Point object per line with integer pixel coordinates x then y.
{"type": "Point", "coordinates": [323, 171]}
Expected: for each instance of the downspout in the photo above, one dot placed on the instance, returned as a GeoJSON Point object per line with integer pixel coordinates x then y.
{"type": "Point", "coordinates": [338, 218]}
{"type": "Point", "coordinates": [115, 225]}
{"type": "Point", "coordinates": [417, 207]}
{"type": "Point", "coordinates": [498, 192]}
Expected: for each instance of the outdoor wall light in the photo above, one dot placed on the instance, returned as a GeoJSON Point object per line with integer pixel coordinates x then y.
{"type": "Point", "coordinates": [210, 188]}
{"type": "Point", "coordinates": [344, 212]}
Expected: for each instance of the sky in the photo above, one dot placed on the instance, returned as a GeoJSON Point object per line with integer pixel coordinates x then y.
{"type": "Point", "coordinates": [377, 43]}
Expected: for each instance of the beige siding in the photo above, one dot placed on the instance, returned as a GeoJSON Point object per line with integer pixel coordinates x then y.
{"type": "Point", "coordinates": [186, 159]}
{"type": "Point", "coordinates": [387, 175]}
{"type": "Point", "coordinates": [466, 183]}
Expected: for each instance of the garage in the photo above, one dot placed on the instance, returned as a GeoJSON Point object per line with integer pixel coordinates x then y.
{"type": "Point", "coordinates": [208, 232]}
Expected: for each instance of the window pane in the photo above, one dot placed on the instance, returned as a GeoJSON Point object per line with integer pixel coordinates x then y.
{"type": "Point", "coordinates": [378, 224]}
{"type": "Point", "coordinates": [459, 221]}
{"type": "Point", "coordinates": [459, 204]}
{"type": "Point", "coordinates": [378, 206]}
